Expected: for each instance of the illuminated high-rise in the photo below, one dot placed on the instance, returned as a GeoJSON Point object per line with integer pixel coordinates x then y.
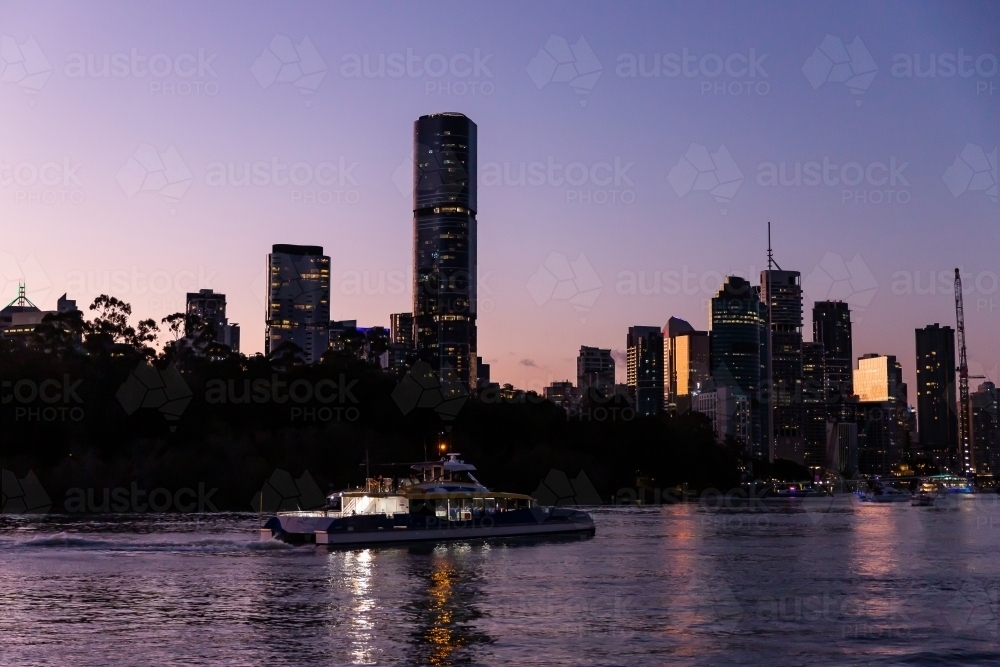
{"type": "Point", "coordinates": [444, 244]}
{"type": "Point", "coordinates": [298, 299]}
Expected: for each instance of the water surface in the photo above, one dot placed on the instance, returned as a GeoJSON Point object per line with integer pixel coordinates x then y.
{"type": "Point", "coordinates": [680, 584]}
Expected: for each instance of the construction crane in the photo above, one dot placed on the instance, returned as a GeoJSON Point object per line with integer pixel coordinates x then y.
{"type": "Point", "coordinates": [965, 449]}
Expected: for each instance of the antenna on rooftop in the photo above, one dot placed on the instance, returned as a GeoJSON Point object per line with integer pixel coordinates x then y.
{"type": "Point", "coordinates": [22, 299]}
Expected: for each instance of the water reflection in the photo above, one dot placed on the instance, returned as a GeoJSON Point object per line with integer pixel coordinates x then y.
{"type": "Point", "coordinates": [446, 605]}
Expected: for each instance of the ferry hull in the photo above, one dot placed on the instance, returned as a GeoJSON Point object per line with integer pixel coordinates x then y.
{"type": "Point", "coordinates": [400, 529]}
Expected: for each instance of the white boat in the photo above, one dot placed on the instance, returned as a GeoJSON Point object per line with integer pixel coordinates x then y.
{"type": "Point", "coordinates": [883, 493]}
{"type": "Point", "coordinates": [926, 495]}
{"type": "Point", "coordinates": [442, 501]}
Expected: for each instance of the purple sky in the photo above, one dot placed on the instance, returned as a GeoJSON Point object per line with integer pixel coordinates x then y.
{"type": "Point", "coordinates": [646, 242]}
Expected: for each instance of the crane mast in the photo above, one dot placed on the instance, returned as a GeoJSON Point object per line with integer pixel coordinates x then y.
{"type": "Point", "coordinates": [967, 461]}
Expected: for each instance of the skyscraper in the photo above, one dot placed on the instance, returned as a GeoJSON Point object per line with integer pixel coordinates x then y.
{"type": "Point", "coordinates": [814, 406]}
{"type": "Point", "coordinates": [645, 369]}
{"type": "Point", "coordinates": [298, 299]}
{"type": "Point", "coordinates": [781, 293]}
{"type": "Point", "coordinates": [595, 369]}
{"type": "Point", "coordinates": [735, 344]}
{"type": "Point", "coordinates": [878, 382]}
{"type": "Point", "coordinates": [401, 329]}
{"type": "Point", "coordinates": [685, 360]}
{"type": "Point", "coordinates": [832, 328]}
{"type": "Point", "coordinates": [985, 417]}
{"type": "Point", "coordinates": [937, 418]}
{"type": "Point", "coordinates": [444, 243]}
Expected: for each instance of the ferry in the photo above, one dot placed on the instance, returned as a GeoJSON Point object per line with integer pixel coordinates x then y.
{"type": "Point", "coordinates": [441, 500]}
{"type": "Point", "coordinates": [952, 484]}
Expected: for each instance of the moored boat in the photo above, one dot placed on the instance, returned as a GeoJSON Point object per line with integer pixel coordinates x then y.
{"type": "Point", "coordinates": [442, 500]}
{"type": "Point", "coordinates": [883, 493]}
{"type": "Point", "coordinates": [926, 494]}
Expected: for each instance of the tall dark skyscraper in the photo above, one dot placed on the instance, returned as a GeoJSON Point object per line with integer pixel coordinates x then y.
{"type": "Point", "coordinates": [645, 369]}
{"type": "Point", "coordinates": [814, 406]}
{"type": "Point", "coordinates": [781, 291]}
{"type": "Point", "coordinates": [735, 347]}
{"type": "Point", "coordinates": [444, 243]}
{"type": "Point", "coordinates": [298, 299]}
{"type": "Point", "coordinates": [937, 417]}
{"type": "Point", "coordinates": [832, 328]}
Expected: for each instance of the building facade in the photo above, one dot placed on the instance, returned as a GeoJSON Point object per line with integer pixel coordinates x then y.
{"type": "Point", "coordinates": [814, 404]}
{"type": "Point", "coordinates": [298, 300]}
{"type": "Point", "coordinates": [985, 416]}
{"type": "Point", "coordinates": [781, 294]}
{"type": "Point", "coordinates": [686, 358]}
{"type": "Point", "coordinates": [444, 244]}
{"type": "Point", "coordinates": [729, 411]}
{"type": "Point", "coordinates": [937, 418]}
{"type": "Point", "coordinates": [644, 375]}
{"type": "Point", "coordinates": [735, 348]}
{"type": "Point", "coordinates": [595, 371]}
{"type": "Point", "coordinates": [210, 309]}
{"type": "Point", "coordinates": [832, 328]}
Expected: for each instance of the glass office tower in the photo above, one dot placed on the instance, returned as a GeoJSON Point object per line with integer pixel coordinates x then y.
{"type": "Point", "coordinates": [444, 244]}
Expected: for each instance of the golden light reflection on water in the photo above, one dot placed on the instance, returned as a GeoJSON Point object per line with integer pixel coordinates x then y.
{"type": "Point", "coordinates": [360, 628]}
{"type": "Point", "coordinates": [445, 606]}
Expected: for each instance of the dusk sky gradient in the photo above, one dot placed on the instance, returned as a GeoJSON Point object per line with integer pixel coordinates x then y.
{"type": "Point", "coordinates": [73, 234]}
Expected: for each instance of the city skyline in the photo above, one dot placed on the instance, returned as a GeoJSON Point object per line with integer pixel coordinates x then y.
{"type": "Point", "coordinates": [661, 255]}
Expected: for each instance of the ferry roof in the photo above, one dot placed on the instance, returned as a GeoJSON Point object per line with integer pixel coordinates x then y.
{"type": "Point", "coordinates": [452, 463]}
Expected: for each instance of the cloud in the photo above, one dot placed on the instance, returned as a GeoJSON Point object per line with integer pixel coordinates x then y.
{"type": "Point", "coordinates": [528, 362]}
